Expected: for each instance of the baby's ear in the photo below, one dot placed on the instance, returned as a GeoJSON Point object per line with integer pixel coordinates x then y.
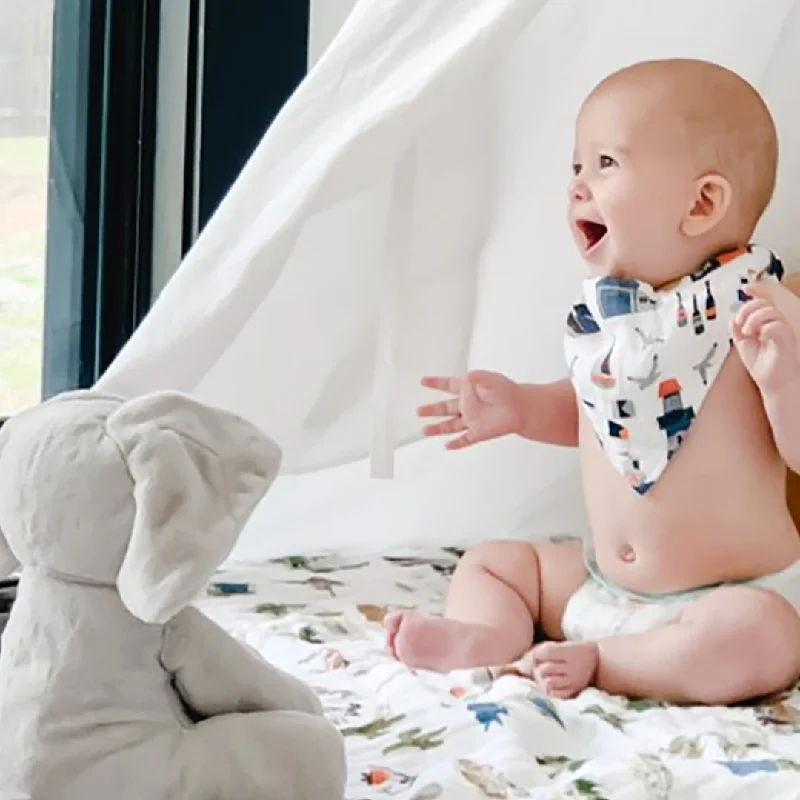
{"type": "Point", "coordinates": [711, 202]}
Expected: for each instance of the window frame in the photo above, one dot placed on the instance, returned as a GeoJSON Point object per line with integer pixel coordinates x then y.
{"type": "Point", "coordinates": [99, 259]}
{"type": "Point", "coordinates": [99, 212]}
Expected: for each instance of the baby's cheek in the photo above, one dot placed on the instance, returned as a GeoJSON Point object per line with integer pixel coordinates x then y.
{"type": "Point", "coordinates": [636, 231]}
{"type": "Point", "coordinates": [649, 247]}
{"type": "Point", "coordinates": [655, 230]}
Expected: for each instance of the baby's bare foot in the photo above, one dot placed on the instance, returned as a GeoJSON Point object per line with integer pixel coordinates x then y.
{"type": "Point", "coordinates": [391, 624]}
{"type": "Point", "coordinates": [563, 669]}
{"type": "Point", "coordinates": [438, 644]}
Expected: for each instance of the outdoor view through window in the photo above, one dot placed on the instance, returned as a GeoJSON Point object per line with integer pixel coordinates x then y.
{"type": "Point", "coordinates": [25, 58]}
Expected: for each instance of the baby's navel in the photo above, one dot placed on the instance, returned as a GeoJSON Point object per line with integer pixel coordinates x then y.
{"type": "Point", "coordinates": [627, 553]}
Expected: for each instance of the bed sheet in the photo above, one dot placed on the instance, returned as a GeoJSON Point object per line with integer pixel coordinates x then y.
{"type": "Point", "coordinates": [464, 737]}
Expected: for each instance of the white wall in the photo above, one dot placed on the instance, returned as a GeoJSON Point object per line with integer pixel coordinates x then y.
{"type": "Point", "coordinates": [327, 17]}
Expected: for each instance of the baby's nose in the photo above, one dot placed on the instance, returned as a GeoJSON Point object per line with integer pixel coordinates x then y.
{"type": "Point", "coordinates": [578, 190]}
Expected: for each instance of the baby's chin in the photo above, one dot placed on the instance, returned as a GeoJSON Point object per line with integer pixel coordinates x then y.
{"type": "Point", "coordinates": [604, 262]}
{"type": "Point", "coordinates": [599, 267]}
{"type": "Point", "coordinates": [615, 271]}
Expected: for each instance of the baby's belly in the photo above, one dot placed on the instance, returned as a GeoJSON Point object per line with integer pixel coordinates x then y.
{"type": "Point", "coordinates": [718, 513]}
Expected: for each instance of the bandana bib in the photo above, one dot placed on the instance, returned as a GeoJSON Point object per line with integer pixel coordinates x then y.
{"type": "Point", "coordinates": [642, 361]}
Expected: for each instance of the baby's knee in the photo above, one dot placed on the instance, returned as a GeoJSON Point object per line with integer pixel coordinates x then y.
{"type": "Point", "coordinates": [503, 558]}
{"type": "Point", "coordinates": [772, 629]}
{"type": "Point", "coordinates": [755, 639]}
{"type": "Point", "coordinates": [762, 619]}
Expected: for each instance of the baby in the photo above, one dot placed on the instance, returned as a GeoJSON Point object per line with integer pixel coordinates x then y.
{"type": "Point", "coordinates": [684, 399]}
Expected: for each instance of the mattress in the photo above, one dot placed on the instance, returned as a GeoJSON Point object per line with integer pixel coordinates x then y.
{"type": "Point", "coordinates": [462, 736]}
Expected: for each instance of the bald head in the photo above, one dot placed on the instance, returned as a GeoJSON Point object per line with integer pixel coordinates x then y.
{"type": "Point", "coordinates": [726, 124]}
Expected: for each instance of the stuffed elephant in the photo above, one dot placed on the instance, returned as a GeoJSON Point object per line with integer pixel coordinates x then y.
{"type": "Point", "coordinates": [111, 684]}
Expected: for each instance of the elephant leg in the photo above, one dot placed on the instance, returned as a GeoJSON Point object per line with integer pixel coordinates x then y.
{"type": "Point", "coordinates": [272, 755]}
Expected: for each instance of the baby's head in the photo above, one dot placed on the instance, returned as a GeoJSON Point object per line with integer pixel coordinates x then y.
{"type": "Point", "coordinates": [675, 161]}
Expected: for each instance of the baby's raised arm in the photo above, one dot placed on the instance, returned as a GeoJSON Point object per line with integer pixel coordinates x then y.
{"type": "Point", "coordinates": [487, 405]}
{"type": "Point", "coordinates": [767, 335]}
{"type": "Point", "coordinates": [551, 413]}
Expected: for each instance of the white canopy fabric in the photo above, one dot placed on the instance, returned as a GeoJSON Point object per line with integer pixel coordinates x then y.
{"type": "Point", "coordinates": [404, 215]}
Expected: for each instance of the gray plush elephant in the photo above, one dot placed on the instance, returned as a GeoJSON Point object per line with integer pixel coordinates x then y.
{"type": "Point", "coordinates": [111, 684]}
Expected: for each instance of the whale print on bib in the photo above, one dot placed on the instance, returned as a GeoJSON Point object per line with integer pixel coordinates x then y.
{"type": "Point", "coordinates": [642, 361]}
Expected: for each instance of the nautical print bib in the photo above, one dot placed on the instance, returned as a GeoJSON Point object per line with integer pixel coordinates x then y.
{"type": "Point", "coordinates": [642, 361]}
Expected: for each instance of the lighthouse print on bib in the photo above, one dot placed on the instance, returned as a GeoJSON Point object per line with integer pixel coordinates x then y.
{"type": "Point", "coordinates": [642, 361]}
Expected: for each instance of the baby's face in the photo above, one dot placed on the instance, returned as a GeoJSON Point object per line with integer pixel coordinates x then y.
{"type": "Point", "coordinates": [633, 183]}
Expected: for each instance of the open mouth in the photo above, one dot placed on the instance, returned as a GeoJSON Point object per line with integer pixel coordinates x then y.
{"type": "Point", "coordinates": [592, 233]}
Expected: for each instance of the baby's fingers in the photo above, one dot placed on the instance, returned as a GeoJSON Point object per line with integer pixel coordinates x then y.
{"type": "Point", "coordinates": [447, 408]}
{"type": "Point", "coordinates": [469, 438]}
{"type": "Point", "coordinates": [736, 330]}
{"type": "Point", "coordinates": [777, 331]}
{"type": "Point", "coordinates": [748, 309]}
{"type": "Point", "coordinates": [453, 425]}
{"type": "Point", "coordinates": [762, 290]}
{"type": "Point", "coordinates": [452, 385]}
{"type": "Point", "coordinates": [760, 317]}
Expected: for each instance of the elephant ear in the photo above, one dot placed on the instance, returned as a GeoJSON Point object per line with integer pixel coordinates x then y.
{"type": "Point", "coordinates": [198, 473]}
{"type": "Point", "coordinates": [8, 561]}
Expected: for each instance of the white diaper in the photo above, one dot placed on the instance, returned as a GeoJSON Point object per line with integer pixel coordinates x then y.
{"type": "Point", "coordinates": [600, 608]}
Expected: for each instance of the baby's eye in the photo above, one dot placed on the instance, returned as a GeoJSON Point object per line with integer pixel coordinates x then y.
{"type": "Point", "coordinates": [607, 161]}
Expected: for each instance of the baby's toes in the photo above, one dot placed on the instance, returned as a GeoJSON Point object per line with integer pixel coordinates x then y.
{"type": "Point", "coordinates": [549, 677]}
{"type": "Point", "coordinates": [562, 689]}
{"type": "Point", "coordinates": [551, 669]}
{"type": "Point", "coordinates": [553, 684]}
{"type": "Point", "coordinates": [391, 625]}
{"type": "Point", "coordinates": [392, 620]}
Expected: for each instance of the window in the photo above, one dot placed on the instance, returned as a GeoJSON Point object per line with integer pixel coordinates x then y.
{"type": "Point", "coordinates": [100, 210]}
{"type": "Point", "coordinates": [122, 125]}
{"type": "Point", "coordinates": [25, 66]}
{"type": "Point", "coordinates": [225, 75]}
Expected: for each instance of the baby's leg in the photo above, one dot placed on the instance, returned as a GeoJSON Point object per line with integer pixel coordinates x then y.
{"type": "Point", "coordinates": [498, 594]}
{"type": "Point", "coordinates": [732, 645]}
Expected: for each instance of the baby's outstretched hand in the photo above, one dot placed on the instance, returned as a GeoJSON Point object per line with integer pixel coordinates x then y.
{"type": "Point", "coordinates": [766, 341]}
{"type": "Point", "coordinates": [483, 406]}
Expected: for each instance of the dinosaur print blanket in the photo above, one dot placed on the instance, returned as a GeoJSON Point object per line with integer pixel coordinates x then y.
{"type": "Point", "coordinates": [464, 736]}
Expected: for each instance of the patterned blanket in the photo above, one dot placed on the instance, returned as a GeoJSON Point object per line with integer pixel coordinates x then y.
{"type": "Point", "coordinates": [422, 736]}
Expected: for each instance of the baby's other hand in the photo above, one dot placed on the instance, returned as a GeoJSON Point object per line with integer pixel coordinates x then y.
{"type": "Point", "coordinates": [483, 406]}
{"type": "Point", "coordinates": [766, 340]}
